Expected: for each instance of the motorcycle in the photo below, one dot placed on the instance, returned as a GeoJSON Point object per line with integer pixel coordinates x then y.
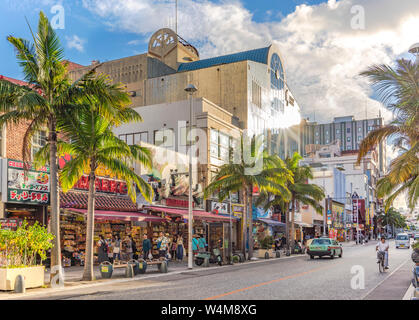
{"type": "Point", "coordinates": [213, 257]}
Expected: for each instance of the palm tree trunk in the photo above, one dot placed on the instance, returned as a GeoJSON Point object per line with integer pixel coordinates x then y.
{"type": "Point", "coordinates": [55, 204]}
{"type": "Point", "coordinates": [88, 273]}
{"type": "Point", "coordinates": [251, 222]}
{"type": "Point", "coordinates": [244, 226]}
{"type": "Point", "coordinates": [292, 225]}
{"type": "Point", "coordinates": [287, 225]}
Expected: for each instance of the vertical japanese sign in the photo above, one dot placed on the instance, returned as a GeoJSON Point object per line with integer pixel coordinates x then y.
{"type": "Point", "coordinates": [30, 187]}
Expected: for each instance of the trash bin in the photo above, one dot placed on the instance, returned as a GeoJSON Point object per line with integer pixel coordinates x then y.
{"type": "Point", "coordinates": [106, 269]}
{"type": "Point", "coordinates": [142, 266]}
{"type": "Point", "coordinates": [135, 266]}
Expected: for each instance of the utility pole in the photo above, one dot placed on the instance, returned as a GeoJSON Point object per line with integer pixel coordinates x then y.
{"type": "Point", "coordinates": [190, 89]}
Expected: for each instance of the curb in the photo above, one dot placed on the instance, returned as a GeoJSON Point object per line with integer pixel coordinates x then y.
{"type": "Point", "coordinates": [409, 293]}
{"type": "Point", "coordinates": [12, 296]}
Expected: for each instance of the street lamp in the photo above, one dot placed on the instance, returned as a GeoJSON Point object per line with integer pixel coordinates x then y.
{"type": "Point", "coordinates": [324, 169]}
{"type": "Point", "coordinates": [190, 89]}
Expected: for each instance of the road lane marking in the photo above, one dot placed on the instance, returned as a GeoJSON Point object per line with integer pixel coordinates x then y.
{"type": "Point", "coordinates": [296, 275]}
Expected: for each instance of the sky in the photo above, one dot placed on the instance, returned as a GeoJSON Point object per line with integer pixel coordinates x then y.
{"type": "Point", "coordinates": [325, 44]}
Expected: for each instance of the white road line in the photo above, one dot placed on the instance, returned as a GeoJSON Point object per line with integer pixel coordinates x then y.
{"type": "Point", "coordinates": [384, 279]}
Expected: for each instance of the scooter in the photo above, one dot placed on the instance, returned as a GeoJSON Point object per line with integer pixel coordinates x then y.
{"type": "Point", "coordinates": [214, 257]}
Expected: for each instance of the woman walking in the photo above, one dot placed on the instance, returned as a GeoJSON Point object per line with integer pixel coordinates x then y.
{"type": "Point", "coordinates": [179, 247]}
{"type": "Point", "coordinates": [103, 249]}
{"type": "Point", "coordinates": [173, 247]}
{"type": "Point", "coordinates": [116, 248]}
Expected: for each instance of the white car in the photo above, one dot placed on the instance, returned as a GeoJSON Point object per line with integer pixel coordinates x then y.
{"type": "Point", "coordinates": [402, 240]}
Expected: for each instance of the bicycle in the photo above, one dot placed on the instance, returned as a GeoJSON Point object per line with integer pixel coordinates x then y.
{"type": "Point", "coordinates": [381, 257]}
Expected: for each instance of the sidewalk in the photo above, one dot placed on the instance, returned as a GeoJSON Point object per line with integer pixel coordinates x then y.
{"type": "Point", "coordinates": [73, 275]}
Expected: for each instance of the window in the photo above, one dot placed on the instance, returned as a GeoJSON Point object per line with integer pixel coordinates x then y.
{"type": "Point", "coordinates": [256, 94]}
{"type": "Point", "coordinates": [348, 139]}
{"type": "Point", "coordinates": [221, 145]}
{"type": "Point", "coordinates": [359, 129]}
{"type": "Point", "coordinates": [327, 140]}
{"type": "Point", "coordinates": [317, 141]}
{"type": "Point", "coordinates": [348, 130]}
{"type": "Point", "coordinates": [337, 131]}
{"type": "Point", "coordinates": [39, 140]}
{"type": "Point", "coordinates": [359, 138]}
{"type": "Point", "coordinates": [183, 135]}
{"type": "Point", "coordinates": [327, 132]}
{"type": "Point", "coordinates": [317, 134]}
{"type": "Point", "coordinates": [134, 138]}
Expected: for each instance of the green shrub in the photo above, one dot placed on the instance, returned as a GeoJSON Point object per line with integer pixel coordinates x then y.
{"type": "Point", "coordinates": [266, 243]}
{"type": "Point", "coordinates": [20, 248]}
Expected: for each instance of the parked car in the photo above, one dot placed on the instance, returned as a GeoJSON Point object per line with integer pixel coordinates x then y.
{"type": "Point", "coordinates": [402, 240]}
{"type": "Point", "coordinates": [416, 237]}
{"type": "Point", "coordinates": [324, 247]}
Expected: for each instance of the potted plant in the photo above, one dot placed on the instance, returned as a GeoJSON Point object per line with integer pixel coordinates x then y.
{"type": "Point", "coordinates": [21, 253]}
{"type": "Point", "coordinates": [266, 246]}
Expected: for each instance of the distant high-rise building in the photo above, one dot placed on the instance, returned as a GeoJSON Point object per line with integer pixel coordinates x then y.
{"type": "Point", "coordinates": [346, 132]}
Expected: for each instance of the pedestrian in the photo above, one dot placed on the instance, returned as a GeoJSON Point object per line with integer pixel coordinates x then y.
{"type": "Point", "coordinates": [173, 247]}
{"type": "Point", "coordinates": [283, 241]}
{"type": "Point", "coordinates": [195, 244]}
{"type": "Point", "coordinates": [116, 248]}
{"type": "Point", "coordinates": [162, 243]}
{"type": "Point", "coordinates": [110, 250]}
{"type": "Point", "coordinates": [146, 247]}
{"type": "Point", "coordinates": [179, 247]}
{"type": "Point", "coordinates": [103, 249]}
{"type": "Point", "coordinates": [202, 244]}
{"type": "Point", "coordinates": [128, 248]}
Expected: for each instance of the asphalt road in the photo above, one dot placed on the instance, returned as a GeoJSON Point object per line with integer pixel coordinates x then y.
{"type": "Point", "coordinates": [288, 278]}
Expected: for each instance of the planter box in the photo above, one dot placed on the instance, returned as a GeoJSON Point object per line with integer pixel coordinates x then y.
{"type": "Point", "coordinates": [34, 277]}
{"type": "Point", "coordinates": [261, 253]}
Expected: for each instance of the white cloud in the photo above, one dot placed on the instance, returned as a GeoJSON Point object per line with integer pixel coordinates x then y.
{"type": "Point", "coordinates": [323, 54]}
{"type": "Point", "coordinates": [134, 42]}
{"type": "Point", "coordinates": [75, 42]}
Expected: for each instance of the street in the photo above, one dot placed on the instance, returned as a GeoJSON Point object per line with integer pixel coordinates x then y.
{"type": "Point", "coordinates": [289, 278]}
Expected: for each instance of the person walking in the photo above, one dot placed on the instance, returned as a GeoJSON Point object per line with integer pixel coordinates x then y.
{"type": "Point", "coordinates": [134, 248]}
{"type": "Point", "coordinates": [146, 247]}
{"type": "Point", "coordinates": [103, 249]}
{"type": "Point", "coordinates": [110, 250]}
{"type": "Point", "coordinates": [128, 248]}
{"type": "Point", "coordinates": [116, 248]}
{"type": "Point", "coordinates": [162, 243]}
{"type": "Point", "coordinates": [173, 247]}
{"type": "Point", "coordinates": [179, 247]}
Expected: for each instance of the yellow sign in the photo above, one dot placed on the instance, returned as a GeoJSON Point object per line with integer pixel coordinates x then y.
{"type": "Point", "coordinates": [367, 218]}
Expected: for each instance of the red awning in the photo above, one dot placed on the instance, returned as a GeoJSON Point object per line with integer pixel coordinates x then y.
{"type": "Point", "coordinates": [197, 214]}
{"type": "Point", "coordinates": [118, 215]}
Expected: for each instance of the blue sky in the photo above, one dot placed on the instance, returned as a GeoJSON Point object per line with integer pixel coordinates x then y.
{"type": "Point", "coordinates": [101, 41]}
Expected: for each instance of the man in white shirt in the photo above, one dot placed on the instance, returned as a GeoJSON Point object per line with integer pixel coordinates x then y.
{"type": "Point", "coordinates": [382, 246]}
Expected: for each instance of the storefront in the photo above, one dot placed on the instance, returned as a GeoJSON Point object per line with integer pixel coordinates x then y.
{"type": "Point", "coordinates": [210, 226]}
{"type": "Point", "coordinates": [265, 227]}
{"type": "Point", "coordinates": [107, 223]}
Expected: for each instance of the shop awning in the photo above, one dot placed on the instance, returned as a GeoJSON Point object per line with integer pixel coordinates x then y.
{"type": "Point", "coordinates": [118, 215]}
{"type": "Point", "coordinates": [271, 222]}
{"type": "Point", "coordinates": [197, 214]}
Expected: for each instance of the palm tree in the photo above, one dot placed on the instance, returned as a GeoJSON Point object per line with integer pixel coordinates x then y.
{"type": "Point", "coordinates": [48, 94]}
{"type": "Point", "coordinates": [240, 176]}
{"type": "Point", "coordinates": [300, 190]}
{"type": "Point", "coordinates": [398, 90]}
{"type": "Point", "coordinates": [392, 218]}
{"type": "Point", "coordinates": [93, 144]}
